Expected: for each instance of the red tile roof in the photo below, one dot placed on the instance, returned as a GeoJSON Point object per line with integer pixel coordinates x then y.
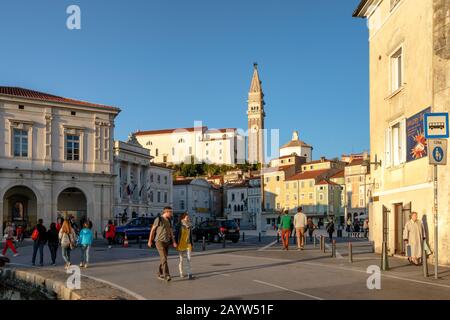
{"type": "Point", "coordinates": [339, 174]}
{"type": "Point", "coordinates": [356, 162]}
{"type": "Point", "coordinates": [36, 95]}
{"type": "Point", "coordinates": [163, 131]}
{"type": "Point", "coordinates": [322, 182]}
{"type": "Point", "coordinates": [307, 175]}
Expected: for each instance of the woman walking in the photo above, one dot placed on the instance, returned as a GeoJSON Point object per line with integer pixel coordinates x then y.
{"type": "Point", "coordinates": [85, 241]}
{"type": "Point", "coordinates": [183, 236]}
{"type": "Point", "coordinates": [53, 242]}
{"type": "Point", "coordinates": [9, 240]}
{"type": "Point", "coordinates": [67, 238]}
{"type": "Point", "coordinates": [311, 227]}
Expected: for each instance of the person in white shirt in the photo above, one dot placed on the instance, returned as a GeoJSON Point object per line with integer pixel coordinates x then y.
{"type": "Point", "coordinates": [300, 222]}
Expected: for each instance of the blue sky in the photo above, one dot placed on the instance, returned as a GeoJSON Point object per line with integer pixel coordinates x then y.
{"type": "Point", "coordinates": [167, 63]}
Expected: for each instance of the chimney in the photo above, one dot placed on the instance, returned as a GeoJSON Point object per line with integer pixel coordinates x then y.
{"type": "Point", "coordinates": [322, 159]}
{"type": "Point", "coordinates": [366, 156]}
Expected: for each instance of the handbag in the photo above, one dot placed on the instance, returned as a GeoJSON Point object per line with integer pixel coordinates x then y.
{"type": "Point", "coordinates": [427, 249]}
{"type": "Point", "coordinates": [408, 251]}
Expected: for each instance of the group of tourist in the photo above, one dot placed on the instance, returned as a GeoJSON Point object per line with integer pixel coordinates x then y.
{"type": "Point", "coordinates": [298, 227]}
{"type": "Point", "coordinates": [64, 233]}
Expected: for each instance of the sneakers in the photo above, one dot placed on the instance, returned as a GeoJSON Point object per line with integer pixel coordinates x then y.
{"type": "Point", "coordinates": [81, 265]}
{"type": "Point", "coordinates": [161, 277]}
{"type": "Point", "coordinates": [85, 265]}
{"type": "Point", "coordinates": [16, 255]}
{"type": "Point", "coordinates": [168, 278]}
{"type": "Point", "coordinates": [109, 247]}
{"type": "Point", "coordinates": [190, 277]}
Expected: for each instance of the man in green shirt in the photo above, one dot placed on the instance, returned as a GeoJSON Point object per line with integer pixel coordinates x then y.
{"type": "Point", "coordinates": [285, 229]}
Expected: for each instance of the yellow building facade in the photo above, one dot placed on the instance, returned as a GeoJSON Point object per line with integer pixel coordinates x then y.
{"type": "Point", "coordinates": [409, 76]}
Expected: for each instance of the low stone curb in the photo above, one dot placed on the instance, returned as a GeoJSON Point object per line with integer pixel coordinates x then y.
{"type": "Point", "coordinates": [53, 283]}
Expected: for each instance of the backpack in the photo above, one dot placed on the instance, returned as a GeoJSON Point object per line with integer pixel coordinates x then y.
{"type": "Point", "coordinates": [65, 241]}
{"type": "Point", "coordinates": [35, 234]}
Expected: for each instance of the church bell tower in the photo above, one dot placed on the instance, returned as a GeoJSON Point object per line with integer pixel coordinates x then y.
{"type": "Point", "coordinates": [256, 117]}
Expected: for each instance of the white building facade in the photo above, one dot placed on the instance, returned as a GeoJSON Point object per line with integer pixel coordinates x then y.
{"type": "Point", "coordinates": [237, 204]}
{"type": "Point", "coordinates": [194, 145]}
{"type": "Point", "coordinates": [193, 196]}
{"type": "Point", "coordinates": [141, 188]}
{"type": "Point", "coordinates": [56, 158]}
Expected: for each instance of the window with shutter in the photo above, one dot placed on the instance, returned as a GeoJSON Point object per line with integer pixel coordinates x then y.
{"type": "Point", "coordinates": [387, 147]}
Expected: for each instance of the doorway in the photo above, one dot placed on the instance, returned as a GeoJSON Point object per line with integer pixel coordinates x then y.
{"type": "Point", "coordinates": [402, 215]}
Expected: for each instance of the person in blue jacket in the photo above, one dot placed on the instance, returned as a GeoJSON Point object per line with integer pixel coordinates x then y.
{"type": "Point", "coordinates": [85, 241]}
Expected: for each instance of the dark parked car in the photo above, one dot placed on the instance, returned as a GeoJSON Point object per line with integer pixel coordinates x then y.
{"type": "Point", "coordinates": [213, 231]}
{"type": "Point", "coordinates": [138, 227]}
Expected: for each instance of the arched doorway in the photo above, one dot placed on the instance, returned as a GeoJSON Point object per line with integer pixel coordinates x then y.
{"type": "Point", "coordinates": [20, 207]}
{"type": "Point", "coordinates": [72, 202]}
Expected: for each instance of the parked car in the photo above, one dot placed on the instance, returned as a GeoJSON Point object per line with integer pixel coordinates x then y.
{"type": "Point", "coordinates": [138, 227]}
{"type": "Point", "coordinates": [214, 230]}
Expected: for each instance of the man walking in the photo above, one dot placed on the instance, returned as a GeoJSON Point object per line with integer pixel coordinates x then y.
{"type": "Point", "coordinates": [39, 239]}
{"type": "Point", "coordinates": [285, 229]}
{"type": "Point", "coordinates": [300, 222]}
{"type": "Point", "coordinates": [162, 235]}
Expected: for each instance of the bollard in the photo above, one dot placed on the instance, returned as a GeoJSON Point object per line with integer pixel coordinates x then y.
{"type": "Point", "coordinates": [140, 242]}
{"type": "Point", "coordinates": [424, 260]}
{"type": "Point", "coordinates": [324, 245]}
{"type": "Point", "coordinates": [259, 237]}
{"type": "Point", "coordinates": [243, 236]}
{"type": "Point", "coordinates": [224, 242]}
{"type": "Point", "coordinates": [278, 237]}
{"type": "Point", "coordinates": [384, 257]}
{"type": "Point", "coordinates": [350, 252]}
{"type": "Point", "coordinates": [204, 244]}
{"type": "Point", "coordinates": [95, 235]}
{"type": "Point", "coordinates": [333, 249]}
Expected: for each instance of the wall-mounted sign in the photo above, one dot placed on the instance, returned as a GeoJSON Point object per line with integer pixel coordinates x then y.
{"type": "Point", "coordinates": [415, 137]}
{"type": "Point", "coordinates": [436, 125]}
{"type": "Point", "coordinates": [438, 151]}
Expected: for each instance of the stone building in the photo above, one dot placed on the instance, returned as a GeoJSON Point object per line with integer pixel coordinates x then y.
{"type": "Point", "coordinates": [56, 158]}
{"type": "Point", "coordinates": [141, 188]}
{"type": "Point", "coordinates": [409, 75]}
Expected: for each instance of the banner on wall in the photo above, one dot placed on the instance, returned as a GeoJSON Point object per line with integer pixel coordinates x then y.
{"type": "Point", "coordinates": [416, 142]}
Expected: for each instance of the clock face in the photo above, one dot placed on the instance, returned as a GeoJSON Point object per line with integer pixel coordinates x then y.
{"type": "Point", "coordinates": [255, 128]}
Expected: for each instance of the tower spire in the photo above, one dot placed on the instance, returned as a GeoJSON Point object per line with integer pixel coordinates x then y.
{"type": "Point", "coordinates": [256, 82]}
